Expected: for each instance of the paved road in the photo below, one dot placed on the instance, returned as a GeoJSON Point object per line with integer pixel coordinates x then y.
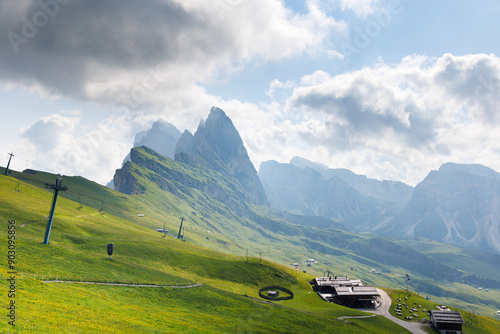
{"type": "Point", "coordinates": [383, 310]}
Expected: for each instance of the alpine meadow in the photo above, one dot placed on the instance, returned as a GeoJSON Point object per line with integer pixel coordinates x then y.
{"type": "Point", "coordinates": [250, 166]}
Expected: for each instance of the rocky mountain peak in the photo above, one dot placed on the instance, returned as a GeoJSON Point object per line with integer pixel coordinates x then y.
{"type": "Point", "coordinates": [218, 145]}
{"type": "Point", "coordinates": [185, 143]}
{"type": "Point", "coordinates": [161, 137]}
{"type": "Point", "coordinates": [216, 113]}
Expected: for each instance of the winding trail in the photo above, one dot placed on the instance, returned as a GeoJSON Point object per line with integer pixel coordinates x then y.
{"type": "Point", "coordinates": [356, 317]}
{"type": "Point", "coordinates": [128, 284]}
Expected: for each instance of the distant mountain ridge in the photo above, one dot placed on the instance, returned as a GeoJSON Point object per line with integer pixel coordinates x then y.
{"type": "Point", "coordinates": [305, 191]}
{"type": "Point", "coordinates": [458, 204]}
{"type": "Point", "coordinates": [384, 191]}
{"type": "Point", "coordinates": [309, 188]}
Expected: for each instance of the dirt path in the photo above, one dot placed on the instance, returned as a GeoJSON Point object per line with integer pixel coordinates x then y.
{"type": "Point", "coordinates": [356, 317]}
{"type": "Point", "coordinates": [128, 284]}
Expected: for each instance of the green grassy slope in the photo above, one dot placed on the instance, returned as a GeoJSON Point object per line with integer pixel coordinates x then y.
{"type": "Point", "coordinates": [78, 250]}
{"type": "Point", "coordinates": [259, 230]}
{"type": "Point", "coordinates": [468, 260]}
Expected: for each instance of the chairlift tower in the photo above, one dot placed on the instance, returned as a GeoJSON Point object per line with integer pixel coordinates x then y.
{"type": "Point", "coordinates": [8, 164]}
{"type": "Point", "coordinates": [180, 228]}
{"type": "Point", "coordinates": [57, 187]}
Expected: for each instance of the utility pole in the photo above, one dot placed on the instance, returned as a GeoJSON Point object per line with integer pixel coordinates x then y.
{"type": "Point", "coordinates": [180, 229]}
{"type": "Point", "coordinates": [8, 164]}
{"type": "Point", "coordinates": [57, 187]}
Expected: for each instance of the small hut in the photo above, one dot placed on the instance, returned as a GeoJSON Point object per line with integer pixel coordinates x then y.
{"type": "Point", "coordinates": [446, 322]}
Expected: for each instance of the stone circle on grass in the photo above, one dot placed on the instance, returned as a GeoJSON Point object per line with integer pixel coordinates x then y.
{"type": "Point", "coordinates": [274, 292]}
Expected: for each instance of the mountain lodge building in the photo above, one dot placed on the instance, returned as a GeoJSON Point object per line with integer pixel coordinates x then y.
{"type": "Point", "coordinates": [344, 291]}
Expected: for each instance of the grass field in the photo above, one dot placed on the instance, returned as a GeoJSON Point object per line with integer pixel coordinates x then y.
{"type": "Point", "coordinates": [77, 250]}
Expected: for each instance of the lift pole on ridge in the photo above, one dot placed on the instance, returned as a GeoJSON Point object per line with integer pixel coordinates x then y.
{"type": "Point", "coordinates": [8, 164]}
{"type": "Point", "coordinates": [180, 229]}
{"type": "Point", "coordinates": [57, 187]}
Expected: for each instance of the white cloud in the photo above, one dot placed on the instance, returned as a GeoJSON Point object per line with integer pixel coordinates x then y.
{"type": "Point", "coordinates": [52, 144]}
{"type": "Point", "coordinates": [150, 60]}
{"type": "Point", "coordinates": [414, 115]}
{"type": "Point", "coordinates": [388, 121]}
{"type": "Point", "coordinates": [277, 85]}
{"type": "Point", "coordinates": [130, 53]}
{"type": "Point", "coordinates": [150, 57]}
{"type": "Point", "coordinates": [361, 8]}
{"type": "Point", "coordinates": [335, 54]}
{"type": "Point", "coordinates": [49, 132]}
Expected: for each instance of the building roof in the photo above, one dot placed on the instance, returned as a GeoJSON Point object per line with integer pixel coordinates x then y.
{"type": "Point", "coordinates": [447, 316]}
{"type": "Point", "coordinates": [337, 281]}
{"type": "Point", "coordinates": [356, 291]}
{"type": "Point", "coordinates": [335, 278]}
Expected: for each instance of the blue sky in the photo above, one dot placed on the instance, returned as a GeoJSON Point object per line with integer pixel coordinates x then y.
{"type": "Point", "coordinates": [387, 88]}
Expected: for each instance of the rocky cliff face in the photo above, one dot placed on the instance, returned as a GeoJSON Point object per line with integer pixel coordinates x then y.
{"type": "Point", "coordinates": [185, 143]}
{"type": "Point", "coordinates": [217, 144]}
{"type": "Point", "coordinates": [125, 182]}
{"type": "Point", "coordinates": [458, 204]}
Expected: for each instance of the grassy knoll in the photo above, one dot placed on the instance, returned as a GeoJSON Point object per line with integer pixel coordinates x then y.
{"type": "Point", "coordinates": [471, 261]}
{"type": "Point", "coordinates": [78, 250]}
{"type": "Point", "coordinates": [461, 295]}
{"type": "Point", "coordinates": [476, 325]}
